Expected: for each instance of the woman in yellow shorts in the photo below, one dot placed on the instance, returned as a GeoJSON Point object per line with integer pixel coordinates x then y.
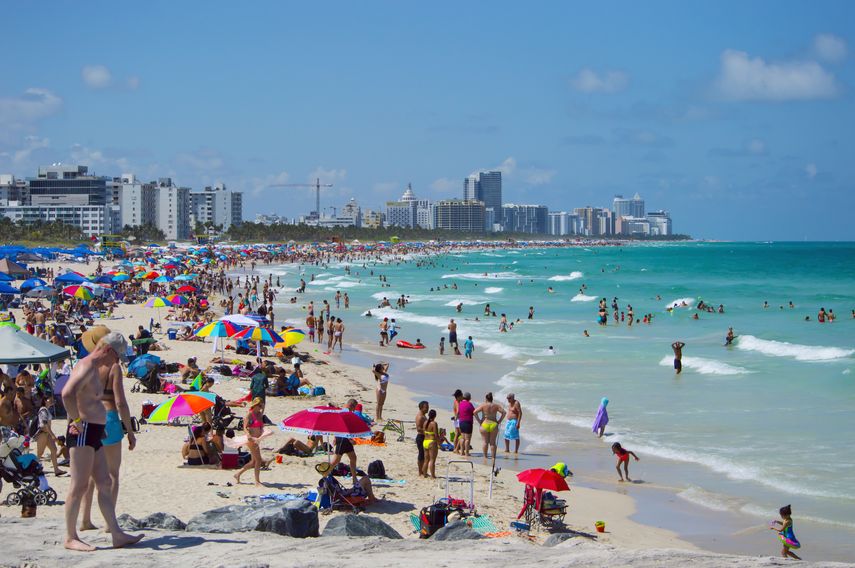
{"type": "Point", "coordinates": [430, 443]}
{"type": "Point", "coordinates": [489, 415]}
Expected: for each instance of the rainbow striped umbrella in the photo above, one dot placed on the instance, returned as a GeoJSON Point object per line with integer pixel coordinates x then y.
{"type": "Point", "coordinates": [265, 334]}
{"type": "Point", "coordinates": [291, 336]}
{"type": "Point", "coordinates": [158, 302]}
{"type": "Point", "coordinates": [151, 275]}
{"type": "Point", "coordinates": [178, 300]}
{"type": "Point", "coordinates": [81, 292]}
{"type": "Point", "coordinates": [120, 277]}
{"type": "Point", "coordinates": [184, 404]}
{"type": "Point", "coordinates": [217, 330]}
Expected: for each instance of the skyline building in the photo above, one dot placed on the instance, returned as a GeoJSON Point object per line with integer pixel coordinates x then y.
{"type": "Point", "coordinates": [466, 215]}
{"type": "Point", "coordinates": [173, 210]}
{"type": "Point", "coordinates": [485, 186]}
{"type": "Point", "coordinates": [216, 205]}
{"type": "Point", "coordinates": [532, 219]}
{"type": "Point", "coordinates": [562, 223]}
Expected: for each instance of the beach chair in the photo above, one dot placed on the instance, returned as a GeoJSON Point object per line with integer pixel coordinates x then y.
{"type": "Point", "coordinates": [396, 426]}
{"type": "Point", "coordinates": [352, 499]}
{"type": "Point", "coordinates": [542, 510]}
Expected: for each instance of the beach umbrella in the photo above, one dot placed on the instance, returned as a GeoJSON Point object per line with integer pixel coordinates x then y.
{"type": "Point", "coordinates": [265, 334]}
{"type": "Point", "coordinates": [185, 277]}
{"type": "Point", "coordinates": [142, 364]}
{"type": "Point", "coordinates": [217, 330]}
{"type": "Point", "coordinates": [31, 283]}
{"type": "Point", "coordinates": [188, 403]}
{"type": "Point", "coordinates": [41, 292]}
{"type": "Point", "coordinates": [327, 421]}
{"type": "Point", "coordinates": [158, 302]}
{"type": "Point", "coordinates": [240, 320]}
{"type": "Point", "coordinates": [291, 336]}
{"type": "Point", "coordinates": [70, 278]}
{"type": "Point", "coordinates": [10, 324]}
{"type": "Point", "coordinates": [151, 275]}
{"type": "Point", "coordinates": [103, 279]}
{"type": "Point", "coordinates": [164, 279]}
{"type": "Point", "coordinates": [187, 289]}
{"type": "Point", "coordinates": [6, 289]}
{"type": "Point", "coordinates": [178, 300]}
{"type": "Point", "coordinates": [543, 479]}
{"type": "Point", "coordinates": [81, 292]}
{"type": "Point", "coordinates": [121, 277]}
{"type": "Point", "coordinates": [5, 277]}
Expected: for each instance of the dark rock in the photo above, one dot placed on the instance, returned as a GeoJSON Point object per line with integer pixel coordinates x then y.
{"type": "Point", "coordinates": [359, 525]}
{"type": "Point", "coordinates": [458, 530]}
{"type": "Point", "coordinates": [557, 538]}
{"type": "Point", "coordinates": [153, 521]}
{"type": "Point", "coordinates": [297, 518]}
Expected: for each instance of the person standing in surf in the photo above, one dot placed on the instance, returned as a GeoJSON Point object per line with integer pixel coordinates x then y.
{"type": "Point", "coordinates": [601, 419]}
{"type": "Point", "coordinates": [677, 346]}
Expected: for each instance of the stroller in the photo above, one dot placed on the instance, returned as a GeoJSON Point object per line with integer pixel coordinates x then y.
{"type": "Point", "coordinates": [23, 471]}
{"type": "Point", "coordinates": [333, 495]}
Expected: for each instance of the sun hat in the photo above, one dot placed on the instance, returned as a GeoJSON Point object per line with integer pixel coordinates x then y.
{"type": "Point", "coordinates": [92, 336]}
{"type": "Point", "coordinates": [99, 334]}
{"type": "Point", "coordinates": [323, 468]}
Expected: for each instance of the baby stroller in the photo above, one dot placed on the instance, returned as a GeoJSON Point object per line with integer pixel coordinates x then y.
{"type": "Point", "coordinates": [333, 495]}
{"type": "Point", "coordinates": [23, 471]}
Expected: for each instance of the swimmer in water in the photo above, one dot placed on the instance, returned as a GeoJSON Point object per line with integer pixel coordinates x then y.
{"type": "Point", "coordinates": [728, 340]}
{"type": "Point", "coordinates": [677, 346]}
{"type": "Point", "coordinates": [585, 333]}
{"type": "Point", "coordinates": [550, 351]}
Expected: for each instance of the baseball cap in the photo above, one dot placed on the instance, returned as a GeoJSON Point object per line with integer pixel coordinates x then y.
{"type": "Point", "coordinates": [117, 343]}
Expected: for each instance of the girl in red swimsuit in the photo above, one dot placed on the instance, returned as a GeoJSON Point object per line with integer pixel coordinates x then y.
{"type": "Point", "coordinates": [622, 458]}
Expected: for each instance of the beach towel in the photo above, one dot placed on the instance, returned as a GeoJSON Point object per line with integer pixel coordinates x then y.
{"type": "Point", "coordinates": [602, 417]}
{"type": "Point", "coordinates": [367, 442]}
{"type": "Point", "coordinates": [382, 481]}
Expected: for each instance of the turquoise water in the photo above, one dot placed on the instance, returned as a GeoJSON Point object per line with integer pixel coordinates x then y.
{"type": "Point", "coordinates": [766, 422]}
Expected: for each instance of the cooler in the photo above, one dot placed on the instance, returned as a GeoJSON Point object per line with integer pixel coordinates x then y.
{"type": "Point", "coordinates": [229, 461]}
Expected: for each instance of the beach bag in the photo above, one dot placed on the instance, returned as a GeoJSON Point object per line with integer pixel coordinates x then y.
{"type": "Point", "coordinates": [225, 370]}
{"type": "Point", "coordinates": [318, 391]}
{"type": "Point", "coordinates": [376, 469]}
{"type": "Point", "coordinates": [432, 518]}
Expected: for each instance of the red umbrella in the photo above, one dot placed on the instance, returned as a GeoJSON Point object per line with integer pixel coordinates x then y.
{"type": "Point", "coordinates": [543, 479]}
{"type": "Point", "coordinates": [186, 289]}
{"type": "Point", "coordinates": [328, 421]}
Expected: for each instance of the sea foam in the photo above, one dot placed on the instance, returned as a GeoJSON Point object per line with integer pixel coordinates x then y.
{"type": "Point", "coordinates": [493, 290]}
{"type": "Point", "coordinates": [678, 303]}
{"type": "Point", "coordinates": [706, 366]}
{"type": "Point", "coordinates": [583, 298]}
{"type": "Point", "coordinates": [794, 350]}
{"type": "Point", "coordinates": [575, 275]}
{"type": "Point", "coordinates": [483, 276]}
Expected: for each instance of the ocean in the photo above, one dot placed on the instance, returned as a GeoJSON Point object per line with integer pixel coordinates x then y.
{"type": "Point", "coordinates": [745, 429]}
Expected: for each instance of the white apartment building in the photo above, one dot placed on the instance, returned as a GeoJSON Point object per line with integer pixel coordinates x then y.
{"type": "Point", "coordinates": [173, 210]}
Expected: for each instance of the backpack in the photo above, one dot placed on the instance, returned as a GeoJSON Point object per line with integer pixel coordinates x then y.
{"type": "Point", "coordinates": [376, 470]}
{"type": "Point", "coordinates": [33, 427]}
{"type": "Point", "coordinates": [432, 518]}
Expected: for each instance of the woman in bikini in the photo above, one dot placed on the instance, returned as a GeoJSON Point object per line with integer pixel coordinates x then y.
{"type": "Point", "coordinates": [489, 415]}
{"type": "Point", "coordinates": [430, 443]}
{"type": "Point", "coordinates": [330, 332]}
{"type": "Point", "coordinates": [381, 375]}
{"type": "Point", "coordinates": [254, 426]}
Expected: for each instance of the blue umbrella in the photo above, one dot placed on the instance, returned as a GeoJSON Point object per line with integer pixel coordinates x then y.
{"type": "Point", "coordinates": [120, 278]}
{"type": "Point", "coordinates": [5, 277]}
{"type": "Point", "coordinates": [40, 292]}
{"type": "Point", "coordinates": [6, 289]}
{"type": "Point", "coordinates": [70, 278]}
{"type": "Point", "coordinates": [142, 364]}
{"type": "Point", "coordinates": [164, 279]}
{"type": "Point", "coordinates": [32, 283]}
{"type": "Point", "coordinates": [104, 279]}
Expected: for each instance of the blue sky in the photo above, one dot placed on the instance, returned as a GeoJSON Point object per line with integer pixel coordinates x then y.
{"type": "Point", "coordinates": [735, 116]}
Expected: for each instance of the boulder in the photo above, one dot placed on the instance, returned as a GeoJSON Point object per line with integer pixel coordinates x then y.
{"type": "Point", "coordinates": [359, 525]}
{"type": "Point", "coordinates": [557, 538]}
{"type": "Point", "coordinates": [297, 518]}
{"type": "Point", "coordinates": [458, 530]}
{"type": "Point", "coordinates": [153, 521]}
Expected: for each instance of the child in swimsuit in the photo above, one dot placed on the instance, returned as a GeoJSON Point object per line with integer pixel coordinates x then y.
{"type": "Point", "coordinates": [622, 458]}
{"type": "Point", "coordinates": [785, 533]}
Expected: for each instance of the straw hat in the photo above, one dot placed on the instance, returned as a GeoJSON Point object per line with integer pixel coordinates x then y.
{"type": "Point", "coordinates": [92, 336]}
{"type": "Point", "coordinates": [323, 468]}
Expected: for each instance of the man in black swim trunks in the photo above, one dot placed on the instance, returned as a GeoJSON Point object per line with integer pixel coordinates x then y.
{"type": "Point", "coordinates": [87, 418]}
{"type": "Point", "coordinates": [677, 346]}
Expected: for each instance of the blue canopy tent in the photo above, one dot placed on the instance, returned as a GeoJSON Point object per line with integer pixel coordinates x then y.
{"type": "Point", "coordinates": [69, 278]}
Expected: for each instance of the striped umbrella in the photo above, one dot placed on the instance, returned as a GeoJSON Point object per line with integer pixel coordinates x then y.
{"type": "Point", "coordinates": [291, 336]}
{"type": "Point", "coordinates": [217, 330]}
{"type": "Point", "coordinates": [259, 334]}
{"type": "Point", "coordinates": [121, 277]}
{"type": "Point", "coordinates": [158, 302]}
{"type": "Point", "coordinates": [163, 279]}
{"type": "Point", "coordinates": [151, 275]}
{"type": "Point", "coordinates": [265, 334]}
{"type": "Point", "coordinates": [178, 300]}
{"type": "Point", "coordinates": [184, 404]}
{"type": "Point", "coordinates": [81, 292]}
{"type": "Point", "coordinates": [187, 288]}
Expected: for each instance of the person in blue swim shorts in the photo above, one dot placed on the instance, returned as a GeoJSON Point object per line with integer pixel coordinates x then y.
{"type": "Point", "coordinates": [512, 427]}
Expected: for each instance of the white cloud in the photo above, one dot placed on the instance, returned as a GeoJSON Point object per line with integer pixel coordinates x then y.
{"type": "Point", "coordinates": [743, 78]}
{"type": "Point", "coordinates": [757, 147]}
{"type": "Point", "coordinates": [810, 170]}
{"type": "Point", "coordinates": [258, 185]}
{"type": "Point", "coordinates": [538, 176]}
{"type": "Point", "coordinates": [332, 176]}
{"type": "Point", "coordinates": [95, 158]}
{"type": "Point", "coordinates": [20, 113]}
{"type": "Point", "coordinates": [589, 81]}
{"type": "Point", "coordinates": [31, 144]}
{"type": "Point", "coordinates": [447, 185]}
{"type": "Point", "coordinates": [507, 166]}
{"type": "Point", "coordinates": [829, 47]}
{"type": "Point", "coordinates": [96, 76]}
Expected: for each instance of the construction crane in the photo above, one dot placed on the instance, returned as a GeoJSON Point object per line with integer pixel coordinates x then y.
{"type": "Point", "coordinates": [317, 185]}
